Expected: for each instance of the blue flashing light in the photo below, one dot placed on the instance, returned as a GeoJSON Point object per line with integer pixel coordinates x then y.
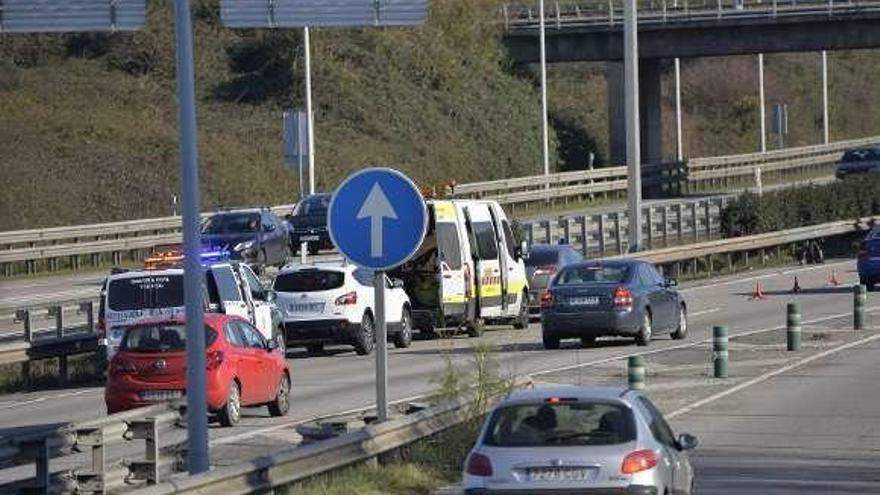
{"type": "Point", "coordinates": [214, 254]}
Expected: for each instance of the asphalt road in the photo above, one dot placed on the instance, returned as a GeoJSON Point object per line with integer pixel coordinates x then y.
{"type": "Point", "coordinates": [340, 380]}
{"type": "Point", "coordinates": [812, 430]}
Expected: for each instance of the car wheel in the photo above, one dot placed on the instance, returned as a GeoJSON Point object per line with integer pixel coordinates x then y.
{"type": "Point", "coordinates": [315, 348]}
{"type": "Point", "coordinates": [366, 340]}
{"type": "Point", "coordinates": [281, 404]}
{"type": "Point", "coordinates": [682, 330]}
{"type": "Point", "coordinates": [869, 285]}
{"type": "Point", "coordinates": [522, 320]}
{"type": "Point", "coordinates": [476, 328]}
{"type": "Point", "coordinates": [404, 337]}
{"type": "Point", "coordinates": [588, 341]}
{"type": "Point", "coordinates": [230, 413]}
{"type": "Point", "coordinates": [645, 330]}
{"type": "Point", "coordinates": [550, 342]}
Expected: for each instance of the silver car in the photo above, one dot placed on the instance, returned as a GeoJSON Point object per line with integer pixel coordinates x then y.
{"type": "Point", "coordinates": [585, 440]}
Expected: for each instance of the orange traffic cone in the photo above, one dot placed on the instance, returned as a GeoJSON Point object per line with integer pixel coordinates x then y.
{"type": "Point", "coordinates": [759, 292]}
{"type": "Point", "coordinates": [833, 279]}
{"type": "Point", "coordinates": [796, 289]}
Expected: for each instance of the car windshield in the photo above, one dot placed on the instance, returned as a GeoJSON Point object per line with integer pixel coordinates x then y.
{"type": "Point", "coordinates": [542, 257]}
{"type": "Point", "coordinates": [312, 207]}
{"type": "Point", "coordinates": [861, 155]}
{"type": "Point", "coordinates": [568, 422]}
{"type": "Point", "coordinates": [161, 338]}
{"type": "Point", "coordinates": [309, 281]}
{"type": "Point", "coordinates": [146, 292]}
{"type": "Point", "coordinates": [232, 223]}
{"type": "Point", "coordinates": [585, 274]}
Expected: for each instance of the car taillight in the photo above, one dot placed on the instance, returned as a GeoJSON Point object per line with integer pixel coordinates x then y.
{"type": "Point", "coordinates": [623, 298]}
{"type": "Point", "coordinates": [101, 328]}
{"type": "Point", "coordinates": [346, 299]}
{"type": "Point", "coordinates": [545, 270]}
{"type": "Point", "coordinates": [214, 360]}
{"type": "Point", "coordinates": [121, 366]}
{"type": "Point", "coordinates": [546, 298]}
{"type": "Point", "coordinates": [479, 465]}
{"type": "Point", "coordinates": [638, 461]}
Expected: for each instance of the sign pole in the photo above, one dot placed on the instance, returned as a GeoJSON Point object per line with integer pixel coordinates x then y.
{"type": "Point", "coordinates": [381, 347]}
{"type": "Point", "coordinates": [309, 118]}
{"type": "Point", "coordinates": [196, 403]}
{"type": "Point", "coordinates": [633, 151]}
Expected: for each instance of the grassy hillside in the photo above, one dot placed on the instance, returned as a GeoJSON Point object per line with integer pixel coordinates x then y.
{"type": "Point", "coordinates": [88, 122]}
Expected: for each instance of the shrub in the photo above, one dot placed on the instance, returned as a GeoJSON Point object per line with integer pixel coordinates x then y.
{"type": "Point", "coordinates": [797, 207]}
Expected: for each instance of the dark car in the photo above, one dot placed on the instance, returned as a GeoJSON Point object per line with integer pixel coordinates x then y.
{"type": "Point", "coordinates": [255, 235]}
{"type": "Point", "coordinates": [615, 298]}
{"type": "Point", "coordinates": [545, 261]}
{"type": "Point", "coordinates": [859, 161]}
{"type": "Point", "coordinates": [308, 223]}
{"type": "Point", "coordinates": [869, 259]}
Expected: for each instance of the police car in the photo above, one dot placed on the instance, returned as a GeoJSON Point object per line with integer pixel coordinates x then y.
{"type": "Point", "coordinates": [156, 291]}
{"type": "Point", "coordinates": [332, 303]}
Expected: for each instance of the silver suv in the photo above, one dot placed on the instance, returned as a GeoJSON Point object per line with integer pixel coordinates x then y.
{"type": "Point", "coordinates": [582, 440]}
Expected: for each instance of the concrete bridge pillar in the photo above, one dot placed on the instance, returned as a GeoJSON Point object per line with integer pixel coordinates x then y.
{"type": "Point", "coordinates": [650, 112]}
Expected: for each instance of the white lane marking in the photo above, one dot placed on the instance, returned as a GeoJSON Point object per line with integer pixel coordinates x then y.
{"type": "Point", "coordinates": [704, 312]}
{"type": "Point", "coordinates": [11, 404]}
{"type": "Point", "coordinates": [692, 344]}
{"type": "Point", "coordinates": [766, 376]}
{"type": "Point", "coordinates": [766, 275]}
{"type": "Point", "coordinates": [794, 482]}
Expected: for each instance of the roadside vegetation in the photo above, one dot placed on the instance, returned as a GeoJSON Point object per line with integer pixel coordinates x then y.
{"type": "Point", "coordinates": [89, 120]}
{"type": "Point", "coordinates": [750, 214]}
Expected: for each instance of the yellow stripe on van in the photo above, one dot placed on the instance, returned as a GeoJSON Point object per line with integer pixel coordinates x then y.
{"type": "Point", "coordinates": [490, 290]}
{"type": "Point", "coordinates": [444, 211]}
{"type": "Point", "coordinates": [454, 299]}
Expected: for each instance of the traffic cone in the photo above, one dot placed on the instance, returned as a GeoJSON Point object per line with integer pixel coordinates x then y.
{"type": "Point", "coordinates": [759, 292]}
{"type": "Point", "coordinates": [796, 289]}
{"type": "Point", "coordinates": [833, 279]}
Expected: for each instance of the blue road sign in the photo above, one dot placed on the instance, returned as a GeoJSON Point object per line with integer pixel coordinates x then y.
{"type": "Point", "coordinates": [377, 218]}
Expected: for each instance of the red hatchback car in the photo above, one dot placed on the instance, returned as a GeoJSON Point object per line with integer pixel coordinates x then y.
{"type": "Point", "coordinates": [243, 368]}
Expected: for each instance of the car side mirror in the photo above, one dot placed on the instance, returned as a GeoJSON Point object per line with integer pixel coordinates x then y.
{"type": "Point", "coordinates": [686, 441]}
{"type": "Point", "coordinates": [397, 283]}
{"type": "Point", "coordinates": [271, 296]}
{"type": "Point", "coordinates": [521, 251]}
{"type": "Point", "coordinates": [271, 345]}
{"type": "Point", "coordinates": [671, 282]}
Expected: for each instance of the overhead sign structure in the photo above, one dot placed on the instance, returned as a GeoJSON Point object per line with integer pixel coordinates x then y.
{"type": "Point", "coordinates": [56, 16]}
{"type": "Point", "coordinates": [317, 13]}
{"type": "Point", "coordinates": [377, 218]}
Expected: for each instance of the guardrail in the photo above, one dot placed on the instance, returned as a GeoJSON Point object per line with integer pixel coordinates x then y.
{"type": "Point", "coordinates": [41, 446]}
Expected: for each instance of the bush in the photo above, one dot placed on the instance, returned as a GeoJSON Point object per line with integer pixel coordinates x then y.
{"type": "Point", "coordinates": [750, 214]}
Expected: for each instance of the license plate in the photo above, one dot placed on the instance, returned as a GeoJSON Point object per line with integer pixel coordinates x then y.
{"type": "Point", "coordinates": [306, 308]}
{"type": "Point", "coordinates": [559, 474]}
{"type": "Point", "coordinates": [161, 395]}
{"type": "Point", "coordinates": [584, 301]}
{"type": "Point", "coordinates": [308, 238]}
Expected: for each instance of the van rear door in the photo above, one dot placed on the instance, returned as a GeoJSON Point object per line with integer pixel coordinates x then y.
{"type": "Point", "coordinates": [450, 257]}
{"type": "Point", "coordinates": [486, 254]}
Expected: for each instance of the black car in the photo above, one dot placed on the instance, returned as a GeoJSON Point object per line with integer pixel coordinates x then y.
{"type": "Point", "coordinates": [255, 235]}
{"type": "Point", "coordinates": [544, 261]}
{"type": "Point", "coordinates": [859, 161]}
{"type": "Point", "coordinates": [308, 223]}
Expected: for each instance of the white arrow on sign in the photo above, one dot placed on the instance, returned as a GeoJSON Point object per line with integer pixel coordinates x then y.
{"type": "Point", "coordinates": [376, 207]}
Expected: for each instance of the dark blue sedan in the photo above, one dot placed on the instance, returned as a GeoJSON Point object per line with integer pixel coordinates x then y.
{"type": "Point", "coordinates": [611, 298]}
{"type": "Point", "coordinates": [869, 259]}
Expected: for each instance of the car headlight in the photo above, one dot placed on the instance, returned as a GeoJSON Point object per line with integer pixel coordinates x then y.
{"type": "Point", "coordinates": [241, 246]}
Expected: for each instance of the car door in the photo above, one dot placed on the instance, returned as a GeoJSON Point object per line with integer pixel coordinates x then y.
{"type": "Point", "coordinates": [677, 461]}
{"type": "Point", "coordinates": [453, 283]}
{"type": "Point", "coordinates": [668, 297]}
{"type": "Point", "coordinates": [262, 384]}
{"type": "Point", "coordinates": [485, 250]}
{"type": "Point", "coordinates": [269, 232]}
{"type": "Point", "coordinates": [232, 301]}
{"type": "Point", "coordinates": [505, 260]}
{"type": "Point", "coordinates": [246, 361]}
{"type": "Point", "coordinates": [262, 307]}
{"type": "Point", "coordinates": [516, 267]}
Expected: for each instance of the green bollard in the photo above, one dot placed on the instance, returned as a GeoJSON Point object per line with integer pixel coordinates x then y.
{"type": "Point", "coordinates": [720, 351]}
{"type": "Point", "coordinates": [860, 299]}
{"type": "Point", "coordinates": [635, 367]}
{"type": "Point", "coordinates": [793, 327]}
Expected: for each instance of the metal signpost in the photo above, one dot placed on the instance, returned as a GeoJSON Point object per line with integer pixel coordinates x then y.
{"type": "Point", "coordinates": [297, 151]}
{"type": "Point", "coordinates": [633, 136]}
{"type": "Point", "coordinates": [378, 219]}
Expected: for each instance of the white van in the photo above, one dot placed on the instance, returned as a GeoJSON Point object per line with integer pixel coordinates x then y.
{"type": "Point", "coordinates": [468, 272]}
